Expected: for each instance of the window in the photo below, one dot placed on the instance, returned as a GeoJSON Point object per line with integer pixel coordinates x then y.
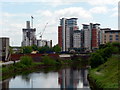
{"type": "Point", "coordinates": [110, 35]}
{"type": "Point", "coordinates": [117, 35]}
{"type": "Point", "coordinates": [110, 39]}
{"type": "Point", "coordinates": [117, 39]}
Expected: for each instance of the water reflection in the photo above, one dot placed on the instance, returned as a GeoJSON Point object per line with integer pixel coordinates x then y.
{"type": "Point", "coordinates": [73, 78]}
{"type": "Point", "coordinates": [68, 78]}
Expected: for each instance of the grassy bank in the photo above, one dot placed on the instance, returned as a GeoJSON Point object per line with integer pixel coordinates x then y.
{"type": "Point", "coordinates": [27, 65]}
{"type": "Point", "coordinates": [106, 75]}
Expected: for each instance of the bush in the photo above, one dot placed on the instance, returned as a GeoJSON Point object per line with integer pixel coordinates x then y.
{"type": "Point", "coordinates": [27, 49]}
{"type": "Point", "coordinates": [96, 60]}
{"type": "Point", "coordinates": [26, 60]}
{"type": "Point", "coordinates": [48, 61]}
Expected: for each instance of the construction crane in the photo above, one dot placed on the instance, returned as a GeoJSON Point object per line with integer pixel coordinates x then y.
{"type": "Point", "coordinates": [41, 34]}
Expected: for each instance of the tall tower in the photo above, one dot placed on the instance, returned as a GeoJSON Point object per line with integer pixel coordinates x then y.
{"type": "Point", "coordinates": [29, 37]}
{"type": "Point", "coordinates": [91, 36]}
{"type": "Point", "coordinates": [65, 33]}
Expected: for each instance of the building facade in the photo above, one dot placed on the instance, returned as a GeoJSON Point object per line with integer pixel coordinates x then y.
{"type": "Point", "coordinates": [91, 36]}
{"type": "Point", "coordinates": [65, 33]}
{"type": "Point", "coordinates": [102, 34]}
{"type": "Point", "coordinates": [41, 43]}
{"type": "Point", "coordinates": [112, 36]}
{"type": "Point", "coordinates": [4, 49]}
{"type": "Point", "coordinates": [77, 39]}
{"type": "Point", "coordinates": [29, 37]}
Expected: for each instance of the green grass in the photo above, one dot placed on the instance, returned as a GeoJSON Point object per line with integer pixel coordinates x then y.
{"type": "Point", "coordinates": [106, 75]}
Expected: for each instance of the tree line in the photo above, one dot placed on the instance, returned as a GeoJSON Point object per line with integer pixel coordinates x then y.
{"type": "Point", "coordinates": [44, 49]}
{"type": "Point", "coordinates": [103, 53]}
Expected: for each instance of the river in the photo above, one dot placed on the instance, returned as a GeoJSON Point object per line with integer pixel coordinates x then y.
{"type": "Point", "coordinates": [69, 77]}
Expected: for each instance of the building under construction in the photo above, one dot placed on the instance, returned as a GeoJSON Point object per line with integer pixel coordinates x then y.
{"type": "Point", "coordinates": [29, 37]}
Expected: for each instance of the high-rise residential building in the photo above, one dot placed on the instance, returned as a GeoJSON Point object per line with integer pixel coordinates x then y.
{"type": "Point", "coordinates": [112, 36]}
{"type": "Point", "coordinates": [90, 36]}
{"type": "Point", "coordinates": [94, 35]}
{"type": "Point", "coordinates": [60, 36]}
{"type": "Point", "coordinates": [77, 39]}
{"type": "Point", "coordinates": [29, 37]}
{"type": "Point", "coordinates": [86, 40]}
{"type": "Point", "coordinates": [65, 33]}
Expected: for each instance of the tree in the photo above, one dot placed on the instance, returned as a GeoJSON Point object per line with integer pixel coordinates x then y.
{"type": "Point", "coordinates": [34, 47]}
{"type": "Point", "coordinates": [56, 48]}
{"type": "Point", "coordinates": [27, 49]}
{"type": "Point", "coordinates": [96, 60]}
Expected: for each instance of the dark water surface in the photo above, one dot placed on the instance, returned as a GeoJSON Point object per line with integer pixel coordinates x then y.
{"type": "Point", "coordinates": [64, 78]}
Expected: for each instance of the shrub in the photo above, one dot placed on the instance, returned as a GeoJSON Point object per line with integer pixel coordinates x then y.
{"type": "Point", "coordinates": [96, 60]}
{"type": "Point", "coordinates": [26, 60]}
{"type": "Point", "coordinates": [48, 61]}
{"type": "Point", "coordinates": [27, 49]}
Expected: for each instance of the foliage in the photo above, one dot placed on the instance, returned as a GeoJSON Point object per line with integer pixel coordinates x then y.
{"type": "Point", "coordinates": [27, 49]}
{"type": "Point", "coordinates": [48, 61]}
{"type": "Point", "coordinates": [26, 60]}
{"type": "Point", "coordinates": [34, 47]}
{"type": "Point", "coordinates": [44, 49]}
{"type": "Point", "coordinates": [56, 48]}
{"type": "Point", "coordinates": [96, 60]}
{"type": "Point", "coordinates": [106, 75]}
{"type": "Point", "coordinates": [11, 50]}
{"type": "Point", "coordinates": [104, 52]}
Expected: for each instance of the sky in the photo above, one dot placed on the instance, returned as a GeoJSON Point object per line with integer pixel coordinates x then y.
{"type": "Point", "coordinates": [15, 13]}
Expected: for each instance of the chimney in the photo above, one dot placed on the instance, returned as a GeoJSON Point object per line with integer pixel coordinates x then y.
{"type": "Point", "coordinates": [28, 24]}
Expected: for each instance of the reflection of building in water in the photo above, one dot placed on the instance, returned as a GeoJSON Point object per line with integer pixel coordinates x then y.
{"type": "Point", "coordinates": [69, 78]}
{"type": "Point", "coordinates": [4, 84]}
{"type": "Point", "coordinates": [84, 73]}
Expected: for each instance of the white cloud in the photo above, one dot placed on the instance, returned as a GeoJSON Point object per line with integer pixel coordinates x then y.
{"type": "Point", "coordinates": [73, 12]}
{"type": "Point", "coordinates": [114, 12]}
{"type": "Point", "coordinates": [45, 13]}
{"type": "Point", "coordinates": [99, 10]}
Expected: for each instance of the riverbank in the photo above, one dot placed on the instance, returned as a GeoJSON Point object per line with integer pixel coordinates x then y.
{"type": "Point", "coordinates": [106, 75]}
{"type": "Point", "coordinates": [24, 67]}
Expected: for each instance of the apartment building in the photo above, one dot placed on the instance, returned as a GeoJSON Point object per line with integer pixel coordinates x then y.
{"type": "Point", "coordinates": [91, 36]}
{"type": "Point", "coordinates": [65, 33]}
{"type": "Point", "coordinates": [77, 39]}
{"type": "Point", "coordinates": [112, 36]}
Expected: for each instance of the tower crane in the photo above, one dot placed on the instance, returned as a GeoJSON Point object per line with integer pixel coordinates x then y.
{"type": "Point", "coordinates": [41, 34]}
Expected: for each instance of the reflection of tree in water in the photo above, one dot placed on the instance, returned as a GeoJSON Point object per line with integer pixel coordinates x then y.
{"type": "Point", "coordinates": [26, 78]}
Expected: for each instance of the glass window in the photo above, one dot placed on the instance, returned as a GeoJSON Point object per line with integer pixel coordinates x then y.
{"type": "Point", "coordinates": [117, 35]}
{"type": "Point", "coordinates": [117, 38]}
{"type": "Point", "coordinates": [110, 38]}
{"type": "Point", "coordinates": [111, 35]}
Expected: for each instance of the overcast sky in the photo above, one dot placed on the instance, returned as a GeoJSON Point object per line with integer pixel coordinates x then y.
{"type": "Point", "coordinates": [15, 13]}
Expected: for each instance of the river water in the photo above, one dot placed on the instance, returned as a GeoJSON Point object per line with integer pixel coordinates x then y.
{"type": "Point", "coordinates": [70, 78]}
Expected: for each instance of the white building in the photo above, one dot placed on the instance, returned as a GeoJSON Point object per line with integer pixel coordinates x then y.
{"type": "Point", "coordinates": [41, 43]}
{"type": "Point", "coordinates": [86, 36]}
{"type": "Point", "coordinates": [77, 39]}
